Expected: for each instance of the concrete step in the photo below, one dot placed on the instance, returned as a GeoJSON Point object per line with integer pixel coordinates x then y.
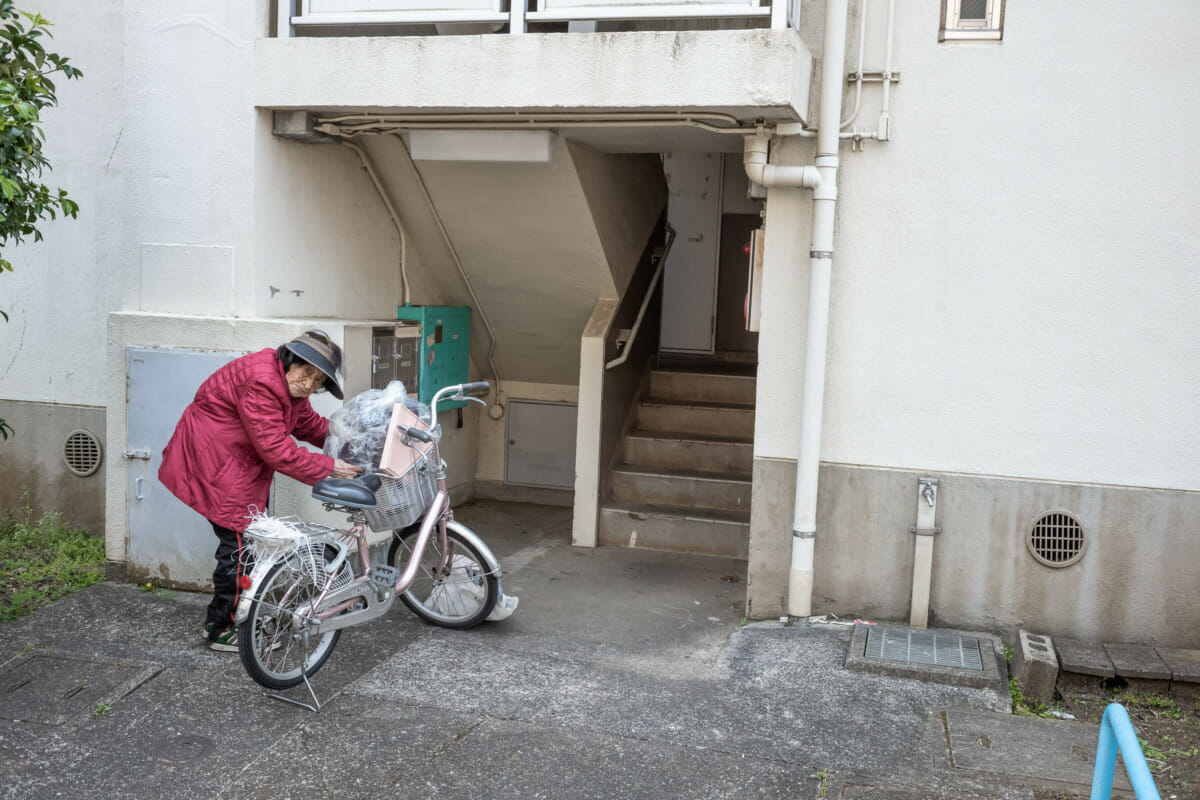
{"type": "Point", "coordinates": [702, 387]}
{"type": "Point", "coordinates": [708, 419]}
{"type": "Point", "coordinates": [642, 485]}
{"type": "Point", "coordinates": [675, 451]}
{"type": "Point", "coordinates": [676, 530]}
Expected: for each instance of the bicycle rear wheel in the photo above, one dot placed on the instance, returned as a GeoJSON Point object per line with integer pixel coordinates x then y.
{"type": "Point", "coordinates": [276, 650]}
{"type": "Point", "coordinates": [461, 598]}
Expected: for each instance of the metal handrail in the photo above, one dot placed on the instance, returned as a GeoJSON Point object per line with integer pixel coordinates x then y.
{"type": "Point", "coordinates": [637, 323]}
{"type": "Point", "coordinates": [1116, 732]}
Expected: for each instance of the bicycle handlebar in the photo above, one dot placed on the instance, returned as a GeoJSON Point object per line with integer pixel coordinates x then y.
{"type": "Point", "coordinates": [457, 392]}
{"type": "Point", "coordinates": [418, 434]}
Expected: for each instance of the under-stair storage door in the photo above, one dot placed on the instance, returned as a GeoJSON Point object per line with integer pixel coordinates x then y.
{"type": "Point", "coordinates": [689, 304]}
{"type": "Point", "coordinates": [168, 542]}
{"type": "Point", "coordinates": [541, 444]}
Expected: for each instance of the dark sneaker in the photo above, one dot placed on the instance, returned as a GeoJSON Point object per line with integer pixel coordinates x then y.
{"type": "Point", "coordinates": [225, 642]}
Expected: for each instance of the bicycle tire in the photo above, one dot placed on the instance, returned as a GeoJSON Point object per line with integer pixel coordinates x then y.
{"type": "Point", "coordinates": [272, 653]}
{"type": "Point", "coordinates": [462, 599]}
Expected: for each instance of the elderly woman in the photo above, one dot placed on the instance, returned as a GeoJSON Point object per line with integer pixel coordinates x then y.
{"type": "Point", "coordinates": [236, 434]}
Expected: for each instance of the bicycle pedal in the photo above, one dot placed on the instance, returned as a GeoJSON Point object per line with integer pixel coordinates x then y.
{"type": "Point", "coordinates": [384, 576]}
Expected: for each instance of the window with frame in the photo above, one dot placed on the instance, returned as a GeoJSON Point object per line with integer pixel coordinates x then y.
{"type": "Point", "coordinates": [972, 19]}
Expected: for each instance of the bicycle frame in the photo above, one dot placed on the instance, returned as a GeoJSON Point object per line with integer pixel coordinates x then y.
{"type": "Point", "coordinates": [367, 597]}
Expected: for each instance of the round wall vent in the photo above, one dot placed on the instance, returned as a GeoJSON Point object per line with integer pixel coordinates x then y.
{"type": "Point", "coordinates": [82, 453]}
{"type": "Point", "coordinates": [1056, 539]}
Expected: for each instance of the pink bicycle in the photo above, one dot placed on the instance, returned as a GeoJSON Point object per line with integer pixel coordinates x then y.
{"type": "Point", "coordinates": [303, 590]}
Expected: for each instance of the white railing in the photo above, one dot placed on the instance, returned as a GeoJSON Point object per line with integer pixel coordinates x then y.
{"type": "Point", "coordinates": [298, 14]}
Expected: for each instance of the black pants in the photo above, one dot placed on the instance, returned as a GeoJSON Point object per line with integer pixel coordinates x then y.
{"type": "Point", "coordinates": [225, 579]}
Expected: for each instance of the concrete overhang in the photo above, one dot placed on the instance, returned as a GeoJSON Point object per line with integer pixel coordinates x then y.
{"type": "Point", "coordinates": [746, 74]}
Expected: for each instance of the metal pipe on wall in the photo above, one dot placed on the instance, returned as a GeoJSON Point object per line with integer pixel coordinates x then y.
{"type": "Point", "coordinates": [804, 524]}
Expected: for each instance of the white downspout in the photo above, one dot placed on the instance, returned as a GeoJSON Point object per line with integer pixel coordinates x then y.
{"type": "Point", "coordinates": [820, 262]}
{"type": "Point", "coordinates": [822, 179]}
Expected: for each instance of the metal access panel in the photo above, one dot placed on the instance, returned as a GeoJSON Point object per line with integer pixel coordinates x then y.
{"type": "Point", "coordinates": [395, 356]}
{"type": "Point", "coordinates": [167, 541]}
{"type": "Point", "coordinates": [541, 444]}
{"type": "Point", "coordinates": [444, 348]}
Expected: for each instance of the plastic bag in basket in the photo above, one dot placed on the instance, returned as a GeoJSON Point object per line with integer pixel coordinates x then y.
{"type": "Point", "coordinates": [358, 429]}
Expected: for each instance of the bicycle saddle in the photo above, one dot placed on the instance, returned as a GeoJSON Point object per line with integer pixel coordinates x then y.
{"type": "Point", "coordinates": [353, 492]}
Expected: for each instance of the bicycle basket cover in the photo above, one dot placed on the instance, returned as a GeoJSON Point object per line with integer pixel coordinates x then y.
{"type": "Point", "coordinates": [358, 429]}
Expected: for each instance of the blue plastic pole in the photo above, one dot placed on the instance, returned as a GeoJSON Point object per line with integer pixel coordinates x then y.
{"type": "Point", "coordinates": [1116, 733]}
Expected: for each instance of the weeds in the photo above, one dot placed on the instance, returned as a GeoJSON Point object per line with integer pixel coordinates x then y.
{"type": "Point", "coordinates": [154, 589]}
{"type": "Point", "coordinates": [101, 708]}
{"type": "Point", "coordinates": [43, 559]}
{"type": "Point", "coordinates": [1026, 706]}
{"type": "Point", "coordinates": [823, 777]}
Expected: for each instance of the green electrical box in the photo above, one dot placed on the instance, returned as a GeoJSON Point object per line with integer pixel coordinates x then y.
{"type": "Point", "coordinates": [444, 353]}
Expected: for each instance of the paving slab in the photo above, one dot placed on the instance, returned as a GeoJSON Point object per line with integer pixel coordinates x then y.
{"type": "Point", "coordinates": [1137, 661]}
{"type": "Point", "coordinates": [1085, 658]}
{"type": "Point", "coordinates": [516, 760]}
{"type": "Point", "coordinates": [355, 748]}
{"type": "Point", "coordinates": [1184, 664]}
{"type": "Point", "coordinates": [1049, 750]}
{"type": "Point", "coordinates": [51, 689]}
{"type": "Point", "coordinates": [858, 791]}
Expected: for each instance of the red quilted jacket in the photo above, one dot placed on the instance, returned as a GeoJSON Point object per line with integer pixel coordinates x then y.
{"type": "Point", "coordinates": [235, 435]}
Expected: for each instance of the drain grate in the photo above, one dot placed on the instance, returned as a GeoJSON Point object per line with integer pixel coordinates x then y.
{"type": "Point", "coordinates": [923, 647]}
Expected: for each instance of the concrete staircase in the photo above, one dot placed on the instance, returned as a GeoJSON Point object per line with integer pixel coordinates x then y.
{"type": "Point", "coordinates": [684, 484]}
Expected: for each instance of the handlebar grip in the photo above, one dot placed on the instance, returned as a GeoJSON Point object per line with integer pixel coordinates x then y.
{"type": "Point", "coordinates": [419, 435]}
{"type": "Point", "coordinates": [478, 387]}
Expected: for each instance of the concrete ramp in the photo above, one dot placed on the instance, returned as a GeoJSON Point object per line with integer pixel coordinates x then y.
{"type": "Point", "coordinates": [539, 243]}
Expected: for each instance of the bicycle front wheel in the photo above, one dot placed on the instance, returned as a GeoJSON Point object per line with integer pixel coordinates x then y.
{"type": "Point", "coordinates": [276, 649]}
{"type": "Point", "coordinates": [461, 597]}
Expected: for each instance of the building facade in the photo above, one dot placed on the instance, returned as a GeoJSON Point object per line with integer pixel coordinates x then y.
{"type": "Point", "coordinates": [1008, 312]}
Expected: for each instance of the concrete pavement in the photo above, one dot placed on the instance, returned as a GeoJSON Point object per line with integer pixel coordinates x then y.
{"type": "Point", "coordinates": [623, 674]}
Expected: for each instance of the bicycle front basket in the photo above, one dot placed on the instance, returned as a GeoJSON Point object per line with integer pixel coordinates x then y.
{"type": "Point", "coordinates": [401, 501]}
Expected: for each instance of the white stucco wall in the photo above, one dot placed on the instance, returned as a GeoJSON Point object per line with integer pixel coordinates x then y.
{"type": "Point", "coordinates": [1014, 285]}
{"type": "Point", "coordinates": [60, 290]}
{"type": "Point", "coordinates": [188, 204]}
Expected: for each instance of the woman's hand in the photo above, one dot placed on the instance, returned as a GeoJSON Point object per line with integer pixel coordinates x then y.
{"type": "Point", "coordinates": [343, 469]}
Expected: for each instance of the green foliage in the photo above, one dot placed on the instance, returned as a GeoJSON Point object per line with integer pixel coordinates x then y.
{"type": "Point", "coordinates": [822, 776]}
{"type": "Point", "coordinates": [1026, 706]}
{"type": "Point", "coordinates": [26, 89]}
{"type": "Point", "coordinates": [42, 560]}
{"type": "Point", "coordinates": [5, 428]}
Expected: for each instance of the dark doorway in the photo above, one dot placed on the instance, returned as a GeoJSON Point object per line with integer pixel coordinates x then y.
{"type": "Point", "coordinates": [732, 336]}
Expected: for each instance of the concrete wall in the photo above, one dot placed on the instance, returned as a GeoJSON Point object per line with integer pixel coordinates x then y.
{"type": "Point", "coordinates": [1009, 299]}
{"type": "Point", "coordinates": [750, 72]}
{"type": "Point", "coordinates": [625, 196]}
{"type": "Point", "coordinates": [1135, 582]}
{"type": "Point", "coordinates": [36, 478]}
{"type": "Point", "coordinates": [527, 243]}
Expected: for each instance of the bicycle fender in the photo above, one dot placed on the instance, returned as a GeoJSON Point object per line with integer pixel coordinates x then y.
{"type": "Point", "coordinates": [260, 570]}
{"type": "Point", "coordinates": [493, 566]}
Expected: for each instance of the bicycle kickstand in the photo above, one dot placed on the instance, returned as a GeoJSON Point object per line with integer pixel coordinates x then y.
{"type": "Point", "coordinates": [301, 703]}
